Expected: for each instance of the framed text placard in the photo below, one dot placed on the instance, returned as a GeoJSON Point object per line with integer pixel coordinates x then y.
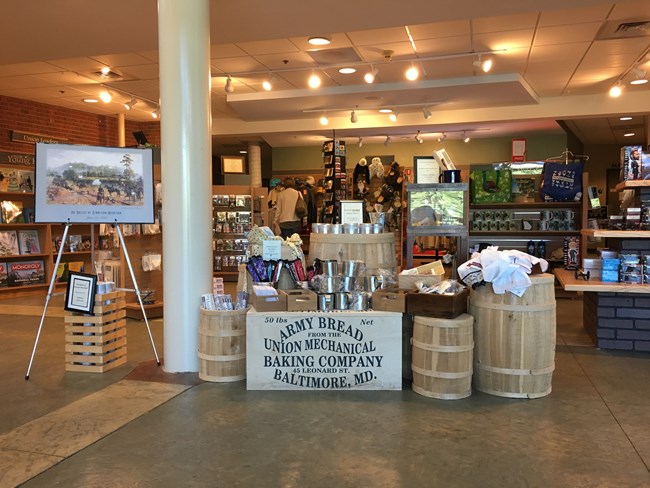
{"type": "Point", "coordinates": [233, 165]}
{"type": "Point", "coordinates": [427, 169]}
{"type": "Point", "coordinates": [324, 351]}
{"type": "Point", "coordinates": [352, 211]}
{"type": "Point", "coordinates": [80, 294]}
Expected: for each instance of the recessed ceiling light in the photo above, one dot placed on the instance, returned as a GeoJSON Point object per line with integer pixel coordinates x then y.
{"type": "Point", "coordinates": [629, 134]}
{"type": "Point", "coordinates": [385, 110]}
{"type": "Point", "coordinates": [347, 71]}
{"type": "Point", "coordinates": [319, 41]}
{"type": "Point", "coordinates": [105, 70]}
{"type": "Point", "coordinates": [91, 100]}
{"type": "Point", "coordinates": [627, 117]}
{"type": "Point", "coordinates": [640, 81]}
{"type": "Point", "coordinates": [243, 152]}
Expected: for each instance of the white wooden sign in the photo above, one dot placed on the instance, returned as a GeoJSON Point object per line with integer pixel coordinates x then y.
{"type": "Point", "coordinates": [324, 351]}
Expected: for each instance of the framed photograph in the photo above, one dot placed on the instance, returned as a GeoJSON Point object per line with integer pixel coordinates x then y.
{"type": "Point", "coordinates": [93, 185]}
{"type": "Point", "coordinates": [352, 211]}
{"type": "Point", "coordinates": [426, 169]}
{"type": "Point", "coordinates": [80, 293]}
{"type": "Point", "coordinates": [233, 165]}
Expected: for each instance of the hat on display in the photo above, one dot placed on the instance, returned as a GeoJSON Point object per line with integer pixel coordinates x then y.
{"type": "Point", "coordinates": [310, 180]}
{"type": "Point", "coordinates": [274, 182]}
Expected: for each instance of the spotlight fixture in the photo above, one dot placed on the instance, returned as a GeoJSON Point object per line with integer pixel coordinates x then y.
{"type": "Point", "coordinates": [426, 113]}
{"type": "Point", "coordinates": [106, 96]}
{"type": "Point", "coordinates": [353, 117]}
{"type": "Point", "coordinates": [484, 65]}
{"type": "Point", "coordinates": [623, 119]}
{"type": "Point", "coordinates": [466, 138]}
{"type": "Point", "coordinates": [156, 113]}
{"type": "Point", "coordinates": [318, 41]}
{"type": "Point", "coordinates": [387, 141]}
{"type": "Point", "coordinates": [324, 120]}
{"type": "Point", "coordinates": [105, 71]}
{"type": "Point", "coordinates": [616, 90]}
{"type": "Point", "coordinates": [129, 105]}
{"type": "Point", "coordinates": [267, 84]}
{"type": "Point", "coordinates": [393, 116]}
{"type": "Point", "coordinates": [385, 110]}
{"type": "Point", "coordinates": [418, 139]}
{"type": "Point", "coordinates": [347, 70]}
{"type": "Point", "coordinates": [639, 77]}
{"type": "Point", "coordinates": [370, 76]}
{"type": "Point", "coordinates": [90, 100]}
{"type": "Point", "coordinates": [629, 134]}
{"type": "Point", "coordinates": [229, 88]}
{"type": "Point", "coordinates": [314, 80]}
{"type": "Point", "coordinates": [360, 143]}
{"type": "Point", "coordinates": [442, 137]}
{"type": "Point", "coordinates": [412, 73]}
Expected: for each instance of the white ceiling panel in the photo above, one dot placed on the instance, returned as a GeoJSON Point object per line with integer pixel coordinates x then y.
{"type": "Point", "coordinates": [550, 55]}
{"type": "Point", "coordinates": [621, 61]}
{"type": "Point", "coordinates": [438, 30]}
{"type": "Point", "coordinates": [27, 69]}
{"type": "Point", "coordinates": [444, 45]}
{"type": "Point", "coordinates": [78, 64]}
{"type": "Point", "coordinates": [237, 65]}
{"type": "Point", "coordinates": [500, 40]}
{"type": "Point", "coordinates": [143, 72]}
{"type": "Point", "coordinates": [631, 10]}
{"type": "Point", "coordinates": [620, 46]}
{"type": "Point", "coordinates": [375, 54]}
{"type": "Point", "coordinates": [379, 37]}
{"type": "Point", "coordinates": [268, 47]}
{"type": "Point", "coordinates": [574, 16]}
{"type": "Point", "coordinates": [118, 60]}
{"type": "Point", "coordinates": [65, 78]}
{"type": "Point", "coordinates": [505, 23]}
{"type": "Point", "coordinates": [565, 34]}
{"type": "Point", "coordinates": [218, 51]}
{"type": "Point", "coordinates": [293, 60]}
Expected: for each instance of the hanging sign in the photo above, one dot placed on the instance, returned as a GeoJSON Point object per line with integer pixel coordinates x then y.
{"type": "Point", "coordinates": [324, 351]}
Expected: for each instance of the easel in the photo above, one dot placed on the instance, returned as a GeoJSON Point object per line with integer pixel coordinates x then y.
{"type": "Point", "coordinates": [51, 287]}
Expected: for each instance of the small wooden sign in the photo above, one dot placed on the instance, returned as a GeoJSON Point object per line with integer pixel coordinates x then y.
{"type": "Point", "coordinates": [17, 136]}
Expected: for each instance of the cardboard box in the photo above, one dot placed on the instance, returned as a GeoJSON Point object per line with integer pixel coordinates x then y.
{"type": "Point", "coordinates": [433, 305]}
{"type": "Point", "coordinates": [301, 301]}
{"type": "Point", "coordinates": [389, 300]}
{"type": "Point", "coordinates": [273, 303]}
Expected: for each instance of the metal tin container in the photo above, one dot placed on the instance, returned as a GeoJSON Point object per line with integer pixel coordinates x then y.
{"type": "Point", "coordinates": [336, 228]}
{"type": "Point", "coordinates": [325, 301]}
{"type": "Point", "coordinates": [377, 228]}
{"type": "Point", "coordinates": [347, 283]}
{"type": "Point", "coordinates": [324, 229]}
{"type": "Point", "coordinates": [371, 283]}
{"type": "Point", "coordinates": [329, 267]}
{"type": "Point", "coordinates": [316, 228]}
{"type": "Point", "coordinates": [358, 301]}
{"type": "Point", "coordinates": [365, 229]}
{"type": "Point", "coordinates": [330, 284]}
{"type": "Point", "coordinates": [352, 267]}
{"type": "Point", "coordinates": [350, 228]}
{"type": "Point", "coordinates": [341, 301]}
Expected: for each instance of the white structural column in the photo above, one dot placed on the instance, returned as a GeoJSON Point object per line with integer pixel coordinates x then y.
{"type": "Point", "coordinates": [255, 164]}
{"type": "Point", "coordinates": [184, 50]}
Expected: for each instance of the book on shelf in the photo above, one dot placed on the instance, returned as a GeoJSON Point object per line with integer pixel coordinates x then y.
{"type": "Point", "coordinates": [28, 242]}
{"type": "Point", "coordinates": [9, 243]}
{"type": "Point", "coordinates": [16, 180]}
{"type": "Point", "coordinates": [11, 212]}
{"type": "Point", "coordinates": [28, 215]}
{"type": "Point", "coordinates": [74, 243]}
{"type": "Point", "coordinates": [3, 275]}
{"type": "Point", "coordinates": [63, 270]}
{"type": "Point", "coordinates": [21, 273]}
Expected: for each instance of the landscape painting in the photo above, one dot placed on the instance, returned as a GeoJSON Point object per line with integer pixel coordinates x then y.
{"type": "Point", "coordinates": [86, 184]}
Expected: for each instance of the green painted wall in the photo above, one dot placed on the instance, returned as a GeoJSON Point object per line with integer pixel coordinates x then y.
{"type": "Point", "coordinates": [477, 151]}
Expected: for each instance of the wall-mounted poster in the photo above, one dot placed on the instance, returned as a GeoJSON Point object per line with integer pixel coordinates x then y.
{"type": "Point", "coordinates": [88, 184]}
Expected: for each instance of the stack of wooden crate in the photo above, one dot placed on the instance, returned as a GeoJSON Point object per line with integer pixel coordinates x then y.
{"type": "Point", "coordinates": [96, 342]}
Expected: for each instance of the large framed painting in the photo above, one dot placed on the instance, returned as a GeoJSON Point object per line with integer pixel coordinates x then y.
{"type": "Point", "coordinates": [93, 185]}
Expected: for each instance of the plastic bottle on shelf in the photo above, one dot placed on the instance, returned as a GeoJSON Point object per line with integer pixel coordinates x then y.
{"type": "Point", "coordinates": [530, 248]}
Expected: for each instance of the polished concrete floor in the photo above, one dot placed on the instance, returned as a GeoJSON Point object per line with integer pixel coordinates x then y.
{"type": "Point", "coordinates": [136, 426]}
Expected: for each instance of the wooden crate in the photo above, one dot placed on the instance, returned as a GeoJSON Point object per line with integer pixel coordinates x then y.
{"type": "Point", "coordinates": [96, 342]}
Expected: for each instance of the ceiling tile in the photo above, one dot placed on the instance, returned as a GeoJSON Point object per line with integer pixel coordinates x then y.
{"type": "Point", "coordinates": [564, 34]}
{"type": "Point", "coordinates": [380, 36]}
{"type": "Point", "coordinates": [143, 72]}
{"type": "Point", "coordinates": [27, 69]}
{"type": "Point", "coordinates": [65, 78]}
{"type": "Point", "coordinates": [373, 54]}
{"type": "Point", "coordinates": [505, 23]}
{"type": "Point", "coordinates": [595, 75]}
{"type": "Point", "coordinates": [559, 52]}
{"type": "Point", "coordinates": [117, 60]}
{"type": "Point", "coordinates": [218, 51]}
{"type": "Point", "coordinates": [268, 47]}
{"type": "Point", "coordinates": [28, 81]}
{"type": "Point", "coordinates": [622, 46]}
{"type": "Point", "coordinates": [240, 64]}
{"type": "Point", "coordinates": [574, 16]}
{"type": "Point", "coordinates": [449, 68]}
{"type": "Point", "coordinates": [150, 55]}
{"type": "Point", "coordinates": [440, 29]}
{"type": "Point", "coordinates": [560, 68]}
{"type": "Point", "coordinates": [276, 61]}
{"type": "Point", "coordinates": [503, 40]}
{"type": "Point", "coordinates": [596, 60]}
{"type": "Point", "coordinates": [78, 64]}
{"type": "Point", "coordinates": [631, 10]}
{"type": "Point", "coordinates": [445, 45]}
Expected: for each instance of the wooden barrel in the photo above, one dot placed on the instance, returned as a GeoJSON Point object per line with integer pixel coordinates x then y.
{"type": "Point", "coordinates": [376, 250]}
{"type": "Point", "coordinates": [514, 355]}
{"type": "Point", "coordinates": [442, 357]}
{"type": "Point", "coordinates": [222, 345]}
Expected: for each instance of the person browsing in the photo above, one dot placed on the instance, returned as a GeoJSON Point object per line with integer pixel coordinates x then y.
{"type": "Point", "coordinates": [285, 211]}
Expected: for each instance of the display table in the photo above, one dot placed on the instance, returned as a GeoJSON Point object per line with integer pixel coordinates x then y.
{"type": "Point", "coordinates": [323, 350]}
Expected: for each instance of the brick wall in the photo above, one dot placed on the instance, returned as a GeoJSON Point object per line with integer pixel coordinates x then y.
{"type": "Point", "coordinates": [73, 125]}
{"type": "Point", "coordinates": [620, 320]}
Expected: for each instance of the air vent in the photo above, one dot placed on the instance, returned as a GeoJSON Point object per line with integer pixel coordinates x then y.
{"type": "Point", "coordinates": [624, 29]}
{"type": "Point", "coordinates": [326, 57]}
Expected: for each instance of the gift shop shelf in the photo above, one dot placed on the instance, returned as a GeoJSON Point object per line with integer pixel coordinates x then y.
{"type": "Point", "coordinates": [621, 234]}
{"type": "Point", "coordinates": [631, 184]}
{"type": "Point", "coordinates": [570, 283]}
{"type": "Point", "coordinates": [535, 205]}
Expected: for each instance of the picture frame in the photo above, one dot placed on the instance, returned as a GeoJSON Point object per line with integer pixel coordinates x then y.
{"type": "Point", "coordinates": [426, 170]}
{"type": "Point", "coordinates": [93, 185]}
{"type": "Point", "coordinates": [80, 292]}
{"type": "Point", "coordinates": [352, 211]}
{"type": "Point", "coordinates": [233, 165]}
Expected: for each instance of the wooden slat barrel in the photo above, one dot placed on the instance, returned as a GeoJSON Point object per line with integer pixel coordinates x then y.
{"type": "Point", "coordinates": [376, 250]}
{"type": "Point", "coordinates": [222, 345]}
{"type": "Point", "coordinates": [514, 355]}
{"type": "Point", "coordinates": [442, 357]}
